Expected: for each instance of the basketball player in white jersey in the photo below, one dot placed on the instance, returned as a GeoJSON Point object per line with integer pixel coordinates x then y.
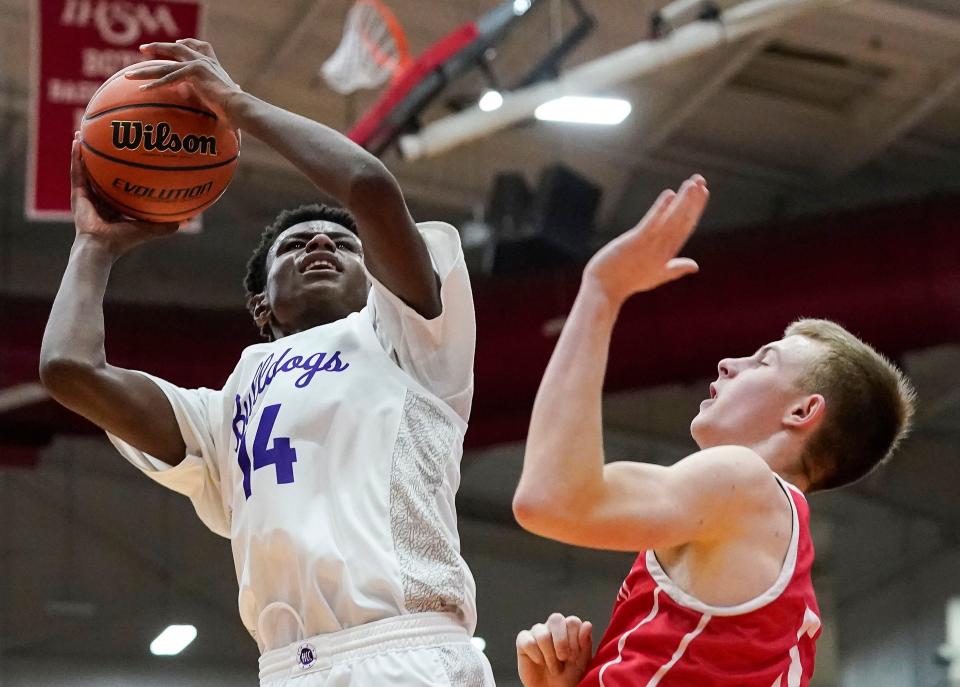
{"type": "Point", "coordinates": [330, 456]}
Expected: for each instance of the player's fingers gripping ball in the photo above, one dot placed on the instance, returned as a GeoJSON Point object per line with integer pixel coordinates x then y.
{"type": "Point", "coordinates": [160, 154]}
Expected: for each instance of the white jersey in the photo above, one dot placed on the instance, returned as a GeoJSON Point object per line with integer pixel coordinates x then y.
{"type": "Point", "coordinates": [330, 459]}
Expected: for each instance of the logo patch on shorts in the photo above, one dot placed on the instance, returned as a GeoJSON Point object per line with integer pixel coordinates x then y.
{"type": "Point", "coordinates": [307, 655]}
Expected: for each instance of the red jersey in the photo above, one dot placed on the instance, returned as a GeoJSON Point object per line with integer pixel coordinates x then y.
{"type": "Point", "coordinates": [660, 635]}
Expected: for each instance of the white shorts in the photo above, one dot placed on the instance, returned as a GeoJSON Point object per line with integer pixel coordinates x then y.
{"type": "Point", "coordinates": [419, 650]}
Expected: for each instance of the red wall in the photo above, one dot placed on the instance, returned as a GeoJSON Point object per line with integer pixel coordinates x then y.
{"type": "Point", "coordinates": [891, 275]}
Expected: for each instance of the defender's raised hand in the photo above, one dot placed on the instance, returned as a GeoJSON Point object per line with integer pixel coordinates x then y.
{"type": "Point", "coordinates": [94, 218]}
{"type": "Point", "coordinates": [195, 63]}
{"type": "Point", "coordinates": [555, 653]}
{"type": "Point", "coordinates": [645, 257]}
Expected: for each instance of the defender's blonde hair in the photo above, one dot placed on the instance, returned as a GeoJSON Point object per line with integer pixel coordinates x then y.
{"type": "Point", "coordinates": [869, 405]}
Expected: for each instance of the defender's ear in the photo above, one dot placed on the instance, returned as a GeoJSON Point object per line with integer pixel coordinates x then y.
{"type": "Point", "coordinates": [259, 309]}
{"type": "Point", "coordinates": [807, 413]}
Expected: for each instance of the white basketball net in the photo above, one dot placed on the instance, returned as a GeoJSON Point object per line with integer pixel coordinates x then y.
{"type": "Point", "coordinates": [367, 55]}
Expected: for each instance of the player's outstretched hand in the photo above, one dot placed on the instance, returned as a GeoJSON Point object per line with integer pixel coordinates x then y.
{"type": "Point", "coordinates": [196, 64]}
{"type": "Point", "coordinates": [645, 257]}
{"type": "Point", "coordinates": [555, 653]}
{"type": "Point", "coordinates": [92, 217]}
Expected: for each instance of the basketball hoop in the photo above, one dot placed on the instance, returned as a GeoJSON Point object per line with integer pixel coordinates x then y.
{"type": "Point", "coordinates": [373, 48]}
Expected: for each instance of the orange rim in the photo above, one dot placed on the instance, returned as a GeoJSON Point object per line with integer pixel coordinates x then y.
{"type": "Point", "coordinates": [396, 32]}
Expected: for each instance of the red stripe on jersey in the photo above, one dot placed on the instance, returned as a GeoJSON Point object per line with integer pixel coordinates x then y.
{"type": "Point", "coordinates": [660, 636]}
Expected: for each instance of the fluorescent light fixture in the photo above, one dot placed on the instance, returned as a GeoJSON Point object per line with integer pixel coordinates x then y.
{"type": "Point", "coordinates": [584, 110]}
{"type": "Point", "coordinates": [479, 642]}
{"type": "Point", "coordinates": [173, 640]}
{"type": "Point", "coordinates": [490, 101]}
{"type": "Point", "coordinates": [521, 6]}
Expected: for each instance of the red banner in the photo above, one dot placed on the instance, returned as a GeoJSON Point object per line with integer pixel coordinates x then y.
{"type": "Point", "coordinates": [77, 44]}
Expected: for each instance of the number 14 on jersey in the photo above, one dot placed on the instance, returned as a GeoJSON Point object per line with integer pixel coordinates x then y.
{"type": "Point", "coordinates": [280, 454]}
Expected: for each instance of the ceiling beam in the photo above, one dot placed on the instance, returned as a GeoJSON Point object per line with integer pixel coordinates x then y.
{"type": "Point", "coordinates": [700, 93]}
{"type": "Point", "coordinates": [628, 64]}
{"type": "Point", "coordinates": [705, 159]}
{"type": "Point", "coordinates": [678, 161]}
{"type": "Point", "coordinates": [288, 42]}
{"type": "Point", "coordinates": [433, 190]}
{"type": "Point", "coordinates": [871, 144]}
{"type": "Point", "coordinates": [906, 16]}
{"type": "Point", "coordinates": [833, 35]}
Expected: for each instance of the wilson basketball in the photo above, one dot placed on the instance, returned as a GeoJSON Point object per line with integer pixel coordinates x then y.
{"type": "Point", "coordinates": [159, 155]}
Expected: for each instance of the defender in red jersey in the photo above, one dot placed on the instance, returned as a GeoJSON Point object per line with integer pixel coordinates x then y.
{"type": "Point", "coordinates": [720, 594]}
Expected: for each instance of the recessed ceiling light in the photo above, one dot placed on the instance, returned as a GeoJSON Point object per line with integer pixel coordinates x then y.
{"type": "Point", "coordinates": [490, 101]}
{"type": "Point", "coordinates": [521, 6]}
{"type": "Point", "coordinates": [173, 640]}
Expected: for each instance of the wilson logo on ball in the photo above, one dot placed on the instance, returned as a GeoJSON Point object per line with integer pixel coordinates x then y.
{"type": "Point", "coordinates": [132, 135]}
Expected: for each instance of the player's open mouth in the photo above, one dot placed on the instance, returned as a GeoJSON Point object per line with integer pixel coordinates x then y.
{"type": "Point", "coordinates": [712, 397]}
{"type": "Point", "coordinates": [320, 263]}
{"type": "Point", "coordinates": [321, 266]}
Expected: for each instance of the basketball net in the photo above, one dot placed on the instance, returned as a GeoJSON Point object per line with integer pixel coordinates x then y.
{"type": "Point", "coordinates": [373, 48]}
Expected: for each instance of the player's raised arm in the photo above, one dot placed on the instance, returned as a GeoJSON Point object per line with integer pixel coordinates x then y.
{"type": "Point", "coordinates": [73, 365]}
{"type": "Point", "coordinates": [565, 491]}
{"type": "Point", "coordinates": [394, 251]}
